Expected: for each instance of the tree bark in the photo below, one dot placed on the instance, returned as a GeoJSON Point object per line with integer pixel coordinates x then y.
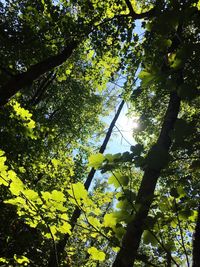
{"type": "Point", "coordinates": [196, 242]}
{"type": "Point", "coordinates": [26, 78]}
{"type": "Point", "coordinates": [131, 240]}
{"type": "Point", "coordinates": [55, 256]}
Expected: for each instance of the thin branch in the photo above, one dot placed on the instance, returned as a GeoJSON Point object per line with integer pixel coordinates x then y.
{"type": "Point", "coordinates": [181, 232]}
{"type": "Point", "coordinates": [119, 131]}
{"type": "Point", "coordinates": [163, 246]}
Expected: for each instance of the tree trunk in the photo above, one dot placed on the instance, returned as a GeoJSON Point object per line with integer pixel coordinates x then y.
{"type": "Point", "coordinates": [55, 256]}
{"type": "Point", "coordinates": [196, 242]}
{"type": "Point", "coordinates": [131, 240]}
{"type": "Point", "coordinates": [26, 78]}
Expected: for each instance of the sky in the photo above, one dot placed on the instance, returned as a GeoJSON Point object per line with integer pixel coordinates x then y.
{"type": "Point", "coordinates": [123, 133]}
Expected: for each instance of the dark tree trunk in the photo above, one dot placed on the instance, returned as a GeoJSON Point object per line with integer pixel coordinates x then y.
{"type": "Point", "coordinates": [26, 78]}
{"type": "Point", "coordinates": [131, 240]}
{"type": "Point", "coordinates": [196, 242]}
{"type": "Point", "coordinates": [55, 256]}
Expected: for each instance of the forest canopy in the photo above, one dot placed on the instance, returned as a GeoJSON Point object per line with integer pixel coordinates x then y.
{"type": "Point", "coordinates": [66, 65]}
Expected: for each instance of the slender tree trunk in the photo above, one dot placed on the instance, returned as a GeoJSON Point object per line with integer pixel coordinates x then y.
{"type": "Point", "coordinates": [196, 242]}
{"type": "Point", "coordinates": [26, 78]}
{"type": "Point", "coordinates": [131, 240]}
{"type": "Point", "coordinates": [55, 256]}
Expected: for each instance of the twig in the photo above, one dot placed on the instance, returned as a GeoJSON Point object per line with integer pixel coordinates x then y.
{"type": "Point", "coordinates": [181, 232]}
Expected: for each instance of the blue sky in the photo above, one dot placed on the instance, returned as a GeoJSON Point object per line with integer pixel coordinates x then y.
{"type": "Point", "coordinates": [123, 134]}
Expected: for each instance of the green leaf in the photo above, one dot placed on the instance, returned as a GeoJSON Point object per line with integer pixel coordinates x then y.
{"type": "Point", "coordinates": [4, 260]}
{"type": "Point", "coordinates": [16, 187]}
{"type": "Point", "coordinates": [118, 180]}
{"type": "Point", "coordinates": [21, 260]}
{"type": "Point", "coordinates": [110, 220]}
{"type": "Point", "coordinates": [137, 149]}
{"type": "Point", "coordinates": [65, 228]}
{"type": "Point", "coordinates": [58, 196]}
{"type": "Point", "coordinates": [31, 194]}
{"type": "Point", "coordinates": [146, 77]}
{"type": "Point", "coordinates": [96, 254]}
{"type": "Point", "coordinates": [96, 160]}
{"type": "Point", "coordinates": [148, 238]}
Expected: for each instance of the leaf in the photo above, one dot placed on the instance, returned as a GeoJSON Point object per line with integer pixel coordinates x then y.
{"type": "Point", "coordinates": [78, 194]}
{"type": "Point", "coordinates": [148, 238]}
{"type": "Point", "coordinates": [3, 260]}
{"type": "Point", "coordinates": [96, 160]}
{"type": "Point", "coordinates": [116, 249]}
{"type": "Point", "coordinates": [68, 72]}
{"type": "Point", "coordinates": [163, 43]}
{"type": "Point", "coordinates": [177, 63]}
{"type": "Point", "coordinates": [3, 167]}
{"type": "Point", "coordinates": [170, 246]}
{"type": "Point", "coordinates": [94, 221]}
{"type": "Point", "coordinates": [198, 5]}
{"type": "Point", "coordinates": [46, 195]}
{"type": "Point", "coordinates": [58, 196]}
{"type": "Point", "coordinates": [96, 254]}
{"type": "Point", "coordinates": [110, 220]}
{"type": "Point", "coordinates": [21, 259]}
{"type": "Point", "coordinates": [146, 77]}
{"type": "Point", "coordinates": [1, 153]}
{"type": "Point", "coordinates": [181, 191]}
{"type": "Point", "coordinates": [65, 228]}
{"type": "Point", "coordinates": [16, 187]}
{"type": "Point", "coordinates": [31, 194]}
{"type": "Point", "coordinates": [137, 149]}
{"type": "Point", "coordinates": [185, 214]}
{"type": "Point", "coordinates": [118, 180]}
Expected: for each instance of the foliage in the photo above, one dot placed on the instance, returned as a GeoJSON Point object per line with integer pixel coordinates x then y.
{"type": "Point", "coordinates": [52, 128]}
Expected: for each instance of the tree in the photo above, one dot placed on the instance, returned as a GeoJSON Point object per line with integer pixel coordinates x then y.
{"type": "Point", "coordinates": [79, 48]}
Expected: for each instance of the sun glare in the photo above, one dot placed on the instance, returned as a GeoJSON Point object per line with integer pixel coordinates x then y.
{"type": "Point", "coordinates": [126, 125]}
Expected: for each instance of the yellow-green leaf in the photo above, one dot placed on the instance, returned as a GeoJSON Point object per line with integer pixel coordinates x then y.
{"type": "Point", "coordinates": [96, 254]}
{"type": "Point", "coordinates": [96, 160]}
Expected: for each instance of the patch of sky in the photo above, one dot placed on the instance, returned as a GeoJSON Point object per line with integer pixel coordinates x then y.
{"type": "Point", "coordinates": [123, 133]}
